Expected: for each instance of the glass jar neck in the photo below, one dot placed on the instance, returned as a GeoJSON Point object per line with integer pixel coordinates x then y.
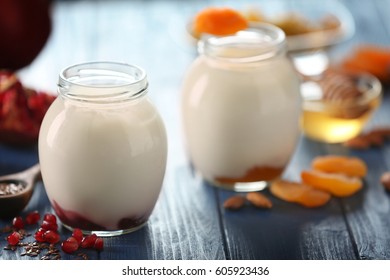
{"type": "Point", "coordinates": [102, 82]}
{"type": "Point", "coordinates": [260, 42]}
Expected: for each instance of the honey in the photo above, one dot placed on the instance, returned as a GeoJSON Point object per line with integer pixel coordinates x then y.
{"type": "Point", "coordinates": [340, 115]}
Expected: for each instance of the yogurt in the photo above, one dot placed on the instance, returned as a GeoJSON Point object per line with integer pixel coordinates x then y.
{"type": "Point", "coordinates": [240, 108]}
{"type": "Point", "coordinates": [103, 162]}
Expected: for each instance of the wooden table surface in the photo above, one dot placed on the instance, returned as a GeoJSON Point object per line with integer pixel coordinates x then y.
{"type": "Point", "coordinates": [189, 221]}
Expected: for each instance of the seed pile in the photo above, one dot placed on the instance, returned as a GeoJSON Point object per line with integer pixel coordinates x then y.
{"type": "Point", "coordinates": [10, 188]}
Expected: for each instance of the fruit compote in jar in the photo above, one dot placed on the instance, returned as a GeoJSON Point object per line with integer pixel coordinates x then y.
{"type": "Point", "coordinates": [240, 108]}
{"type": "Point", "coordinates": [103, 149]}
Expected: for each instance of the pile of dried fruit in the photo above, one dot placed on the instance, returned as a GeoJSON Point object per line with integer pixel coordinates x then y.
{"type": "Point", "coordinates": [371, 59]}
{"type": "Point", "coordinates": [46, 238]}
{"type": "Point", "coordinates": [21, 110]}
{"type": "Point", "coordinates": [340, 176]}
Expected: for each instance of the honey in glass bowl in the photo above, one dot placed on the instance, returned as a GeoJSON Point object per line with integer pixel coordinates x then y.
{"type": "Point", "coordinates": [337, 106]}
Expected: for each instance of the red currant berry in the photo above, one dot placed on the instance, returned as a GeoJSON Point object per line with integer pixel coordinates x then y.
{"type": "Point", "coordinates": [78, 234]}
{"type": "Point", "coordinates": [18, 223]}
{"type": "Point", "coordinates": [98, 244]}
{"type": "Point", "coordinates": [50, 218]}
{"type": "Point", "coordinates": [51, 237]}
{"type": "Point", "coordinates": [13, 238]}
{"type": "Point", "coordinates": [33, 218]}
{"type": "Point", "coordinates": [49, 226]}
{"type": "Point", "coordinates": [69, 245]}
{"type": "Point", "coordinates": [39, 235]}
{"type": "Point", "coordinates": [88, 241]}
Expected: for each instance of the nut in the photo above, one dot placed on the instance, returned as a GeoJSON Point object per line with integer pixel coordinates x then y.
{"type": "Point", "coordinates": [359, 143]}
{"type": "Point", "coordinates": [385, 180]}
{"type": "Point", "coordinates": [234, 203]}
{"type": "Point", "coordinates": [259, 200]}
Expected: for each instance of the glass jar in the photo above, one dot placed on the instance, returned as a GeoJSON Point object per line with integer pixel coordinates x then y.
{"type": "Point", "coordinates": [103, 149]}
{"type": "Point", "coordinates": [240, 107]}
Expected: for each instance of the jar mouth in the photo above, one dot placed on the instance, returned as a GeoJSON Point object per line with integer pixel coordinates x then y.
{"type": "Point", "coordinates": [102, 82]}
{"type": "Point", "coordinates": [258, 42]}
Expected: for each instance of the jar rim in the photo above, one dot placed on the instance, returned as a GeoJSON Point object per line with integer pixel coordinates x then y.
{"type": "Point", "coordinates": [102, 82]}
{"type": "Point", "coordinates": [258, 42]}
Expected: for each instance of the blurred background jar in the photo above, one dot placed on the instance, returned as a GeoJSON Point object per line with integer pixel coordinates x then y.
{"type": "Point", "coordinates": [240, 107]}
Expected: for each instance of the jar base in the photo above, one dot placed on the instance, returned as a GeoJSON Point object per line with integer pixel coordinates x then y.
{"type": "Point", "coordinates": [241, 186]}
{"type": "Point", "coordinates": [108, 233]}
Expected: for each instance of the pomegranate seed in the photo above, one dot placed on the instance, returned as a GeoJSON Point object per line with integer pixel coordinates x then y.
{"type": "Point", "coordinates": [39, 235]}
{"type": "Point", "coordinates": [88, 241]}
{"type": "Point", "coordinates": [50, 218]}
{"type": "Point", "coordinates": [78, 234]}
{"type": "Point", "coordinates": [49, 226]}
{"type": "Point", "coordinates": [70, 245]}
{"type": "Point", "coordinates": [51, 237]}
{"type": "Point", "coordinates": [98, 244]}
{"type": "Point", "coordinates": [18, 223]}
{"type": "Point", "coordinates": [13, 238]}
{"type": "Point", "coordinates": [33, 218]}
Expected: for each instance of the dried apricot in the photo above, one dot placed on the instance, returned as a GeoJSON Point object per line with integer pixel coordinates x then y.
{"type": "Point", "coordinates": [350, 166]}
{"type": "Point", "coordinates": [299, 193]}
{"type": "Point", "coordinates": [337, 184]}
{"type": "Point", "coordinates": [219, 21]}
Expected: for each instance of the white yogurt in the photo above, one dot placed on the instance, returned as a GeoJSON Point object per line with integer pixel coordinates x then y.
{"type": "Point", "coordinates": [103, 162]}
{"type": "Point", "coordinates": [240, 116]}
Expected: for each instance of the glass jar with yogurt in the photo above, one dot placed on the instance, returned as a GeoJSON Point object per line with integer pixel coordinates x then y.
{"type": "Point", "coordinates": [240, 107]}
{"type": "Point", "coordinates": [103, 149]}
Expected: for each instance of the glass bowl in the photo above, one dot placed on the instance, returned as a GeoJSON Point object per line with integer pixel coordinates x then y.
{"type": "Point", "coordinates": [338, 120]}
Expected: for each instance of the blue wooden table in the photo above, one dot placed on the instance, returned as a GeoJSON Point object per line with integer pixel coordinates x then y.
{"type": "Point", "coordinates": [189, 221]}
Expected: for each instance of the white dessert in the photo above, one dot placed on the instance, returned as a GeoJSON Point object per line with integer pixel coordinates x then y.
{"type": "Point", "coordinates": [238, 118]}
{"type": "Point", "coordinates": [105, 165]}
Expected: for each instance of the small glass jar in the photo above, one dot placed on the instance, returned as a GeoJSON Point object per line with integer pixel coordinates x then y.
{"type": "Point", "coordinates": [240, 107]}
{"type": "Point", "coordinates": [103, 149]}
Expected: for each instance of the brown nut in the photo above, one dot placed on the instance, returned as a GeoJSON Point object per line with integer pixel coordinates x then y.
{"type": "Point", "coordinates": [359, 143]}
{"type": "Point", "coordinates": [375, 139]}
{"type": "Point", "coordinates": [259, 200]}
{"type": "Point", "coordinates": [385, 180]}
{"type": "Point", "coordinates": [234, 203]}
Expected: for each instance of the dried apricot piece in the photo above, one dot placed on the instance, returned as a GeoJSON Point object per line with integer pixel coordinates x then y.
{"type": "Point", "coordinates": [337, 184]}
{"type": "Point", "coordinates": [299, 193]}
{"type": "Point", "coordinates": [219, 21]}
{"type": "Point", "coordinates": [350, 166]}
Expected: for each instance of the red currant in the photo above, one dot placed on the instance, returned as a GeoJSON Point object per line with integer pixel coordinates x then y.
{"type": "Point", "coordinates": [78, 234]}
{"type": "Point", "coordinates": [88, 241]}
{"type": "Point", "coordinates": [18, 223]}
{"type": "Point", "coordinates": [51, 237]}
{"type": "Point", "coordinates": [33, 218]}
{"type": "Point", "coordinates": [70, 245]}
{"type": "Point", "coordinates": [39, 235]}
{"type": "Point", "coordinates": [98, 244]}
{"type": "Point", "coordinates": [13, 238]}
{"type": "Point", "coordinates": [50, 218]}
